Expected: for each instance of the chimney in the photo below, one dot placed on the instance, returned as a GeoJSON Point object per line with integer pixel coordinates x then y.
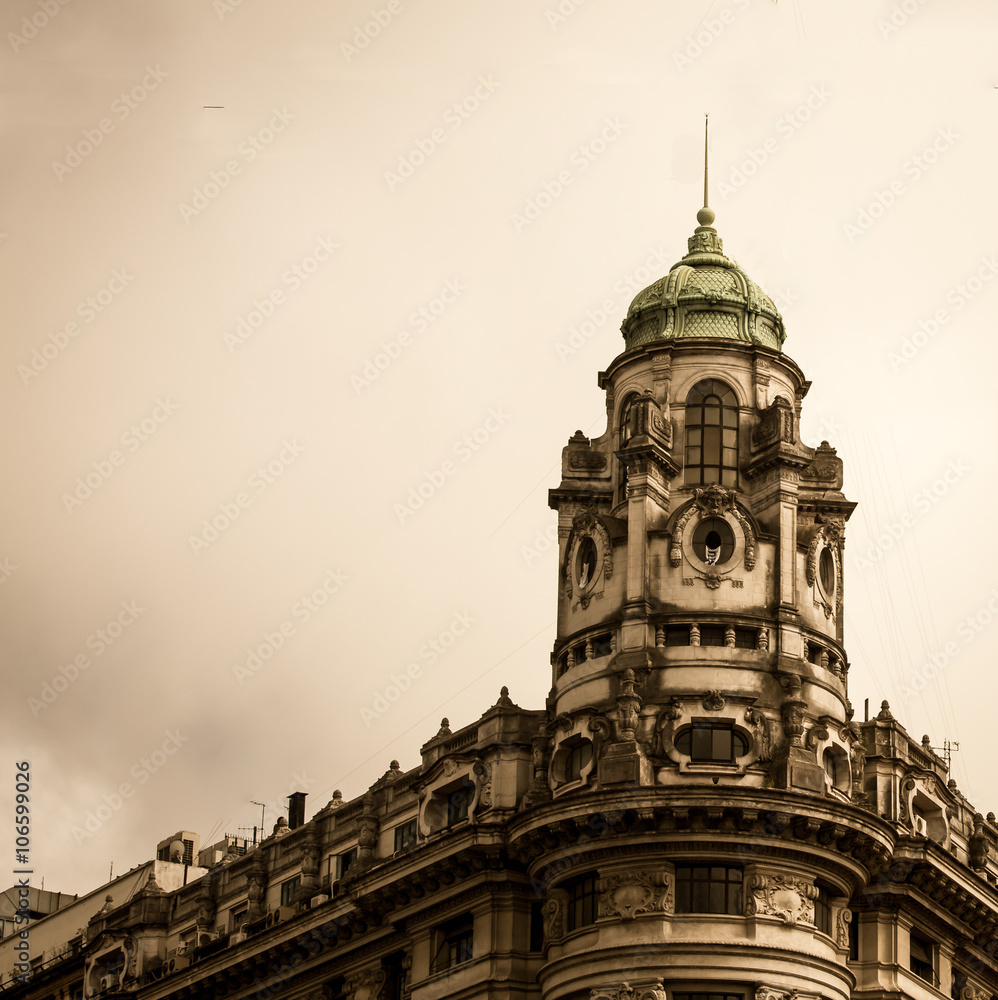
{"type": "Point", "coordinates": [296, 809]}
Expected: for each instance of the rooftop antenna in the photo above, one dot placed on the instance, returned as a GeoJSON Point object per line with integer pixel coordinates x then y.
{"type": "Point", "coordinates": [263, 815]}
{"type": "Point", "coordinates": [948, 747]}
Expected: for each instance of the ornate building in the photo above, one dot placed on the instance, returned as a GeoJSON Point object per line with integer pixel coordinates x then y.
{"type": "Point", "coordinates": [696, 814]}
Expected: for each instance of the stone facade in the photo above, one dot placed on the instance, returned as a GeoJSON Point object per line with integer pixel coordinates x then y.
{"type": "Point", "coordinates": [695, 812]}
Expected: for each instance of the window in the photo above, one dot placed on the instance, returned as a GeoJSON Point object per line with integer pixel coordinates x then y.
{"type": "Point", "coordinates": [344, 861]}
{"type": "Point", "coordinates": [459, 802]}
{"type": "Point", "coordinates": [708, 889]}
{"type": "Point", "coordinates": [826, 570]}
{"type": "Point", "coordinates": [830, 765]}
{"type": "Point", "coordinates": [586, 562]}
{"type": "Point", "coordinates": [579, 755]}
{"type": "Point", "coordinates": [713, 541]}
{"type": "Point", "coordinates": [823, 911]}
{"type": "Point", "coordinates": [288, 890]}
{"type": "Point", "coordinates": [237, 918]}
{"type": "Point", "coordinates": [449, 805]}
{"type": "Point", "coordinates": [405, 836]}
{"type": "Point", "coordinates": [536, 927]}
{"type": "Point", "coordinates": [922, 961]}
{"type": "Point", "coordinates": [707, 741]}
{"type": "Point", "coordinates": [581, 902]}
{"type": "Point", "coordinates": [711, 434]}
{"type": "Point", "coordinates": [455, 943]}
{"type": "Point", "coordinates": [854, 937]}
{"type": "Point", "coordinates": [677, 635]}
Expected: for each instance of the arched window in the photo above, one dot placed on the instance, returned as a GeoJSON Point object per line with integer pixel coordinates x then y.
{"type": "Point", "coordinates": [711, 434]}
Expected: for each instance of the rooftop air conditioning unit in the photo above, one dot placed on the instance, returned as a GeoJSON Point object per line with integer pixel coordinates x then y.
{"type": "Point", "coordinates": [177, 963]}
{"type": "Point", "coordinates": [106, 982]}
{"type": "Point", "coordinates": [921, 827]}
{"type": "Point", "coordinates": [237, 938]}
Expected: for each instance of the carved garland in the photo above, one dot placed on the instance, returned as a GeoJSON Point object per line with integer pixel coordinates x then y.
{"type": "Point", "coordinates": [831, 531]}
{"type": "Point", "coordinates": [713, 502]}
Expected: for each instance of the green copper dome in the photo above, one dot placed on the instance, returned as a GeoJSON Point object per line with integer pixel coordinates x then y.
{"type": "Point", "coordinates": [704, 295]}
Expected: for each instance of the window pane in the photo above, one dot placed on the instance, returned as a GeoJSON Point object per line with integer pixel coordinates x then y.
{"type": "Point", "coordinates": [713, 475]}
{"type": "Point", "coordinates": [700, 897]}
{"type": "Point", "coordinates": [721, 749]}
{"type": "Point", "coordinates": [694, 415]}
{"type": "Point", "coordinates": [693, 435]}
{"type": "Point", "coordinates": [701, 743]}
{"type": "Point", "coordinates": [683, 900]}
{"type": "Point", "coordinates": [735, 897]}
{"type": "Point", "coordinates": [730, 417]}
{"type": "Point", "coordinates": [730, 458]}
{"type": "Point", "coordinates": [693, 456]}
{"type": "Point", "coordinates": [712, 442]}
{"type": "Point", "coordinates": [712, 414]}
{"type": "Point", "coordinates": [717, 900]}
{"type": "Point", "coordinates": [730, 438]}
{"type": "Point", "coordinates": [728, 478]}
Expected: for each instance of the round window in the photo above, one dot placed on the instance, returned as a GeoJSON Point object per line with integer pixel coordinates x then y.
{"type": "Point", "coordinates": [713, 541]}
{"type": "Point", "coordinates": [826, 570]}
{"type": "Point", "coordinates": [586, 562]}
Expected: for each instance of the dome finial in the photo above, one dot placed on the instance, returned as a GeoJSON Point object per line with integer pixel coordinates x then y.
{"type": "Point", "coordinates": [705, 216]}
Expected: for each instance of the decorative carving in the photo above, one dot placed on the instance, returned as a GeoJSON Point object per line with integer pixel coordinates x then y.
{"type": "Point", "coordinates": [626, 894]}
{"type": "Point", "coordinates": [749, 533]}
{"type": "Point", "coordinates": [769, 993]}
{"type": "Point", "coordinates": [815, 735]}
{"type": "Point", "coordinates": [366, 985]}
{"type": "Point", "coordinates": [842, 927]}
{"type": "Point", "coordinates": [762, 639]}
{"type": "Point", "coordinates": [712, 701]}
{"type": "Point", "coordinates": [642, 418]}
{"type": "Point", "coordinates": [978, 844]}
{"type": "Point", "coordinates": [553, 914]}
{"type": "Point", "coordinates": [785, 896]}
{"type": "Point", "coordinates": [858, 759]}
{"type": "Point", "coordinates": [776, 423]}
{"type": "Point", "coordinates": [587, 524]}
{"type": "Point", "coordinates": [760, 727]}
{"type": "Point", "coordinates": [622, 992]}
{"type": "Point", "coordinates": [483, 776]}
{"type": "Point", "coordinates": [256, 890]}
{"type": "Point", "coordinates": [504, 699]}
{"type": "Point", "coordinates": [713, 501]}
{"type": "Point", "coordinates": [628, 704]}
{"type": "Point", "coordinates": [831, 531]}
{"type": "Point", "coordinates": [792, 709]}
{"type": "Point", "coordinates": [586, 461]}
{"type": "Point", "coordinates": [539, 790]}
{"type": "Point", "coordinates": [904, 804]}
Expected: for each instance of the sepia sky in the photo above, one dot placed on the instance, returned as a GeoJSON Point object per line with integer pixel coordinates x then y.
{"type": "Point", "coordinates": [273, 270]}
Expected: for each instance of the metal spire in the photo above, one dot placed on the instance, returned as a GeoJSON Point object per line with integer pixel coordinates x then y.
{"type": "Point", "coordinates": [706, 215]}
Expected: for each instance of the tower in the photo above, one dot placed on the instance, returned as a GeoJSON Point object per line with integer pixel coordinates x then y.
{"type": "Point", "coordinates": [700, 681]}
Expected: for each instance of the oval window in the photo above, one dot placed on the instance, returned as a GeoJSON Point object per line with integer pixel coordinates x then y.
{"type": "Point", "coordinates": [713, 541]}
{"type": "Point", "coordinates": [826, 570]}
{"type": "Point", "coordinates": [586, 563]}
